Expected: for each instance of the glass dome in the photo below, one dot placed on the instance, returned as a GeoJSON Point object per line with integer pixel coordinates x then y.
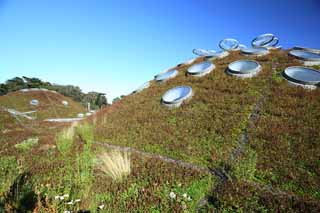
{"type": "Point", "coordinates": [244, 68]}
{"type": "Point", "coordinates": [255, 51]}
{"type": "Point", "coordinates": [302, 75]}
{"type": "Point", "coordinates": [175, 96]}
{"type": "Point", "coordinates": [262, 40]}
{"type": "Point", "coordinates": [142, 87]}
{"type": "Point", "coordinates": [201, 69]}
{"type": "Point", "coordinates": [305, 55]}
{"type": "Point", "coordinates": [34, 102]}
{"type": "Point", "coordinates": [166, 75]}
{"type": "Point", "coordinates": [202, 52]}
{"type": "Point", "coordinates": [229, 44]}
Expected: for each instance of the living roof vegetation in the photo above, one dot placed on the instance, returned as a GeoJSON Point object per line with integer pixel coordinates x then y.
{"type": "Point", "coordinates": [50, 104]}
{"type": "Point", "coordinates": [237, 145]}
{"type": "Point", "coordinates": [205, 128]}
{"type": "Point", "coordinates": [209, 130]}
{"type": "Point", "coordinates": [281, 168]}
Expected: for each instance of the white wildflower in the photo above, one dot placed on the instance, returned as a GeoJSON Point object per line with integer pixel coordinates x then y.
{"type": "Point", "coordinates": [101, 206]}
{"type": "Point", "coordinates": [66, 195]}
{"type": "Point", "coordinates": [172, 195]}
{"type": "Point", "coordinates": [56, 197]}
{"type": "Point", "coordinates": [77, 200]}
{"type": "Point", "coordinates": [61, 198]}
{"type": "Point", "coordinates": [185, 195]}
{"type": "Point", "coordinates": [70, 202]}
{"type": "Point", "coordinates": [189, 198]}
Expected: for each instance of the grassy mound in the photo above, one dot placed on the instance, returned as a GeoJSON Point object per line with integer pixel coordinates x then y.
{"type": "Point", "coordinates": [259, 136]}
{"type": "Point", "coordinates": [261, 129]}
{"type": "Point", "coordinates": [50, 104]}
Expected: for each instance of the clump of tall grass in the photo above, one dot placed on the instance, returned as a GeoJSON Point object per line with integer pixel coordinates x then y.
{"type": "Point", "coordinates": [115, 164]}
{"type": "Point", "coordinates": [64, 139]}
{"type": "Point", "coordinates": [86, 133]}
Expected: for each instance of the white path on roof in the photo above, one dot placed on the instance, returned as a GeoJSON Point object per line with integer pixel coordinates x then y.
{"type": "Point", "coordinates": [61, 120]}
{"type": "Point", "coordinates": [23, 114]}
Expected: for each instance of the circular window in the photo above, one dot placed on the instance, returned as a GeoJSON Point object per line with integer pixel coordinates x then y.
{"type": "Point", "coordinates": [162, 77]}
{"type": "Point", "coordinates": [244, 68]}
{"type": "Point", "coordinates": [176, 96]}
{"type": "Point", "coordinates": [262, 40]}
{"type": "Point", "coordinates": [229, 44]}
{"type": "Point", "coordinates": [305, 55]}
{"type": "Point", "coordinates": [201, 69]}
{"type": "Point", "coordinates": [257, 51]}
{"type": "Point", "coordinates": [188, 62]}
{"type": "Point", "coordinates": [34, 102]}
{"type": "Point", "coordinates": [65, 103]}
{"type": "Point", "coordinates": [220, 54]}
{"type": "Point", "coordinates": [202, 52]}
{"type": "Point", "coordinates": [142, 87]}
{"type": "Point", "coordinates": [307, 49]}
{"type": "Point", "coordinates": [302, 76]}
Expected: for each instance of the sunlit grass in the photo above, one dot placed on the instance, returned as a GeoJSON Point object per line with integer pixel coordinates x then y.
{"type": "Point", "coordinates": [116, 164]}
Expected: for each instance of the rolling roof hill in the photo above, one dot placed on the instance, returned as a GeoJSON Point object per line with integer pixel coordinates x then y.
{"type": "Point", "coordinates": [260, 131]}
{"type": "Point", "coordinates": [50, 104]}
{"type": "Point", "coordinates": [237, 145]}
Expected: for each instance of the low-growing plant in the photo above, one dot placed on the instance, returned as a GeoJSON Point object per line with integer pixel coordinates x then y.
{"type": "Point", "coordinates": [27, 144]}
{"type": "Point", "coordinates": [8, 172]}
{"type": "Point", "coordinates": [116, 164]}
{"type": "Point", "coordinates": [245, 167]}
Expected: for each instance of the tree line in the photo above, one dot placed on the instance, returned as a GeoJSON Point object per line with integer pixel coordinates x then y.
{"type": "Point", "coordinates": [96, 99]}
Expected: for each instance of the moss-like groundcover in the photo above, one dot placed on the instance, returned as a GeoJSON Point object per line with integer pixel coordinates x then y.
{"type": "Point", "coordinates": [258, 136]}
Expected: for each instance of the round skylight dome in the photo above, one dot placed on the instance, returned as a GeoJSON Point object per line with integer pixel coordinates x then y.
{"type": "Point", "coordinates": [244, 68]}
{"type": "Point", "coordinates": [65, 103]}
{"type": "Point", "coordinates": [262, 40]}
{"type": "Point", "coordinates": [307, 49]}
{"type": "Point", "coordinates": [162, 77]}
{"type": "Point", "coordinates": [257, 51]}
{"type": "Point", "coordinates": [302, 76]}
{"type": "Point", "coordinates": [229, 44]}
{"type": "Point", "coordinates": [142, 87]}
{"type": "Point", "coordinates": [188, 62]}
{"type": "Point", "coordinates": [176, 96]}
{"type": "Point", "coordinates": [217, 55]}
{"type": "Point", "coordinates": [201, 69]}
{"type": "Point", "coordinates": [202, 52]}
{"type": "Point", "coordinates": [305, 55]}
{"type": "Point", "coordinates": [34, 102]}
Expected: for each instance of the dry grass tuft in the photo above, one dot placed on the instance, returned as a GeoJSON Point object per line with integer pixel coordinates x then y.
{"type": "Point", "coordinates": [116, 164]}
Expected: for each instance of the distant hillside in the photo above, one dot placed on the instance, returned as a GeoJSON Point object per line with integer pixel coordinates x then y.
{"type": "Point", "coordinates": [95, 99]}
{"type": "Point", "coordinates": [50, 104]}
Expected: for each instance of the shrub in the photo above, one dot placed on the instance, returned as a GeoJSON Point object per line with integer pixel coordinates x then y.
{"type": "Point", "coordinates": [27, 144]}
{"type": "Point", "coordinates": [115, 164]}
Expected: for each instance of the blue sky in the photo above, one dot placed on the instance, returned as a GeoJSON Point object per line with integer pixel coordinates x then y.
{"type": "Point", "coordinates": [115, 46]}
